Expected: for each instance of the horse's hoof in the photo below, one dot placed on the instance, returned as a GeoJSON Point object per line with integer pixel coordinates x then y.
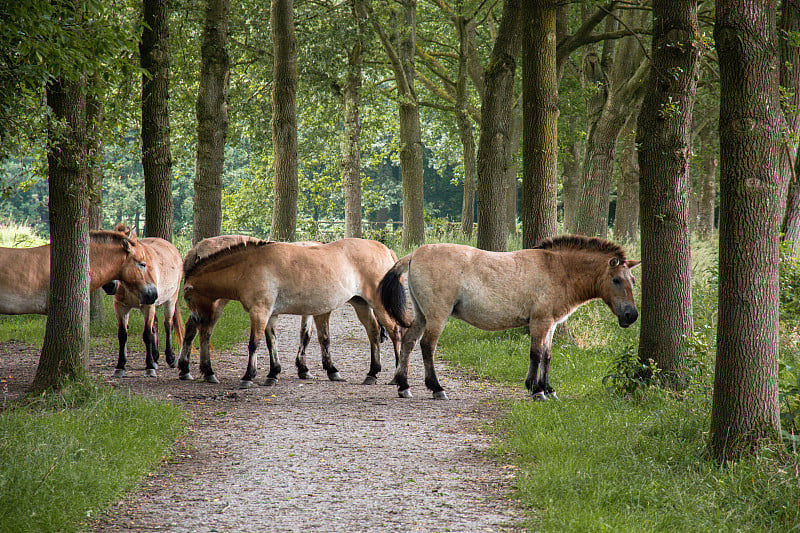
{"type": "Point", "coordinates": [552, 396]}
{"type": "Point", "coordinates": [370, 380]}
{"type": "Point", "coordinates": [186, 377]}
{"type": "Point", "coordinates": [172, 364]}
{"type": "Point", "coordinates": [304, 375]}
{"type": "Point", "coordinates": [155, 365]}
{"type": "Point", "coordinates": [119, 372]}
{"type": "Point", "coordinates": [335, 376]}
{"type": "Point", "coordinates": [211, 378]}
{"type": "Point", "coordinates": [270, 381]}
{"type": "Point", "coordinates": [539, 397]}
{"type": "Point", "coordinates": [393, 382]}
{"type": "Point", "coordinates": [245, 384]}
{"type": "Point", "coordinates": [440, 395]}
{"type": "Point", "coordinates": [150, 372]}
{"type": "Point", "coordinates": [405, 393]}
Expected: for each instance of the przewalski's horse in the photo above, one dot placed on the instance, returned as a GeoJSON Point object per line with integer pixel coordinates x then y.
{"type": "Point", "coordinates": [165, 265]}
{"type": "Point", "coordinates": [25, 272]}
{"type": "Point", "coordinates": [536, 287]}
{"type": "Point", "coordinates": [273, 278]}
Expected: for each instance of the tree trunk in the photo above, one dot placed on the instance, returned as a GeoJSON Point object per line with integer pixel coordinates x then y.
{"type": "Point", "coordinates": [212, 121]}
{"type": "Point", "coordinates": [284, 121]}
{"type": "Point", "coordinates": [94, 140]}
{"type": "Point", "coordinates": [66, 337]}
{"type": "Point", "coordinates": [571, 185]}
{"type": "Point", "coordinates": [790, 83]}
{"type": "Point", "coordinates": [465, 129]}
{"type": "Point", "coordinates": [707, 184]}
{"type": "Point", "coordinates": [494, 152]}
{"type": "Point", "coordinates": [540, 119]}
{"type": "Point", "coordinates": [664, 140]}
{"type": "Point", "coordinates": [351, 147]}
{"type": "Point", "coordinates": [626, 217]}
{"type": "Point", "coordinates": [624, 91]}
{"type": "Point", "coordinates": [514, 139]}
{"type": "Point", "coordinates": [744, 412]}
{"type": "Point", "coordinates": [156, 157]}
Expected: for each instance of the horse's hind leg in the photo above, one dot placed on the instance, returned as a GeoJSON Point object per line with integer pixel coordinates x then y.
{"type": "Point", "coordinates": [186, 347]}
{"type": "Point", "coordinates": [539, 355]}
{"type": "Point", "coordinates": [407, 343]}
{"type": "Point", "coordinates": [122, 337]}
{"type": "Point", "coordinates": [274, 361]}
{"type": "Point", "coordinates": [169, 312]}
{"type": "Point", "coordinates": [367, 318]}
{"type": "Point", "coordinates": [305, 337]}
{"type": "Point", "coordinates": [324, 338]}
{"type": "Point", "coordinates": [428, 346]}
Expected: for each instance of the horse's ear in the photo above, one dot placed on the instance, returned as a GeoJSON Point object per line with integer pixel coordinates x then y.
{"type": "Point", "coordinates": [127, 245]}
{"type": "Point", "coordinates": [633, 263]}
{"type": "Point", "coordinates": [124, 229]}
{"type": "Point", "coordinates": [613, 262]}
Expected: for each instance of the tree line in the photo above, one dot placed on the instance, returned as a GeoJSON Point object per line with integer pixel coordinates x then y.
{"type": "Point", "coordinates": [660, 79]}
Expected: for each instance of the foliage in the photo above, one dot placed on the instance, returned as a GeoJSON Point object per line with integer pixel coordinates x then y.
{"type": "Point", "coordinates": [629, 375]}
{"type": "Point", "coordinates": [68, 454]}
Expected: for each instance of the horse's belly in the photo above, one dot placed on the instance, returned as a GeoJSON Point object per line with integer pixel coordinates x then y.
{"type": "Point", "coordinates": [307, 304]}
{"type": "Point", "coordinates": [23, 304]}
{"type": "Point", "coordinates": [489, 319]}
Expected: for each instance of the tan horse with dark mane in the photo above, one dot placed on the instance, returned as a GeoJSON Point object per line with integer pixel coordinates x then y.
{"type": "Point", "coordinates": [538, 288]}
{"type": "Point", "coordinates": [25, 272]}
{"type": "Point", "coordinates": [165, 266]}
{"type": "Point", "coordinates": [274, 278]}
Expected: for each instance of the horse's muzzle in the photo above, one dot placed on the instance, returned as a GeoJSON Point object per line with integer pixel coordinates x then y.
{"type": "Point", "coordinates": [148, 295]}
{"type": "Point", "coordinates": [627, 316]}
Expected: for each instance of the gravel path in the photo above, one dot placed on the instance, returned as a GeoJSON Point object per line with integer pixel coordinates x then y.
{"type": "Point", "coordinates": [318, 456]}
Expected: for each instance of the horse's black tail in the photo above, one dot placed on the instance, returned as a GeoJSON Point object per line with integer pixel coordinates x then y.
{"type": "Point", "coordinates": [393, 293]}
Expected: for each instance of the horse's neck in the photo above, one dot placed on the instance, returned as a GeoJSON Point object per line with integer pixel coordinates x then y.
{"type": "Point", "coordinates": [582, 279]}
{"type": "Point", "coordinates": [104, 263]}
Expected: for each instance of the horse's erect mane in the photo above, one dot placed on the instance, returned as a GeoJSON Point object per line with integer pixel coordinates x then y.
{"type": "Point", "coordinates": [211, 250]}
{"type": "Point", "coordinates": [102, 235]}
{"type": "Point", "coordinates": [580, 242]}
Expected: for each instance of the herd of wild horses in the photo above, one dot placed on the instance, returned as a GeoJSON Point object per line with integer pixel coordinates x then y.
{"type": "Point", "coordinates": [408, 299]}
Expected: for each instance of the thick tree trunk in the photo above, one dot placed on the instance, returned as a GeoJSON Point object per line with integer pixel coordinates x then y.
{"type": "Point", "coordinates": [790, 83]}
{"type": "Point", "coordinates": [66, 337]}
{"type": "Point", "coordinates": [284, 121]}
{"type": "Point", "coordinates": [626, 217]}
{"type": "Point", "coordinates": [707, 184]}
{"type": "Point", "coordinates": [94, 141]}
{"type": "Point", "coordinates": [351, 146]}
{"type": "Point", "coordinates": [744, 413]}
{"type": "Point", "coordinates": [514, 140]}
{"type": "Point", "coordinates": [494, 152]}
{"type": "Point", "coordinates": [212, 121]}
{"type": "Point", "coordinates": [571, 185]}
{"type": "Point", "coordinates": [156, 156]}
{"type": "Point", "coordinates": [540, 130]}
{"type": "Point", "coordinates": [664, 141]}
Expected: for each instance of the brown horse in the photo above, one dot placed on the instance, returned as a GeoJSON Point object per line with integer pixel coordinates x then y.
{"type": "Point", "coordinates": [273, 278]}
{"type": "Point", "coordinates": [25, 272]}
{"type": "Point", "coordinates": [165, 265]}
{"type": "Point", "coordinates": [538, 288]}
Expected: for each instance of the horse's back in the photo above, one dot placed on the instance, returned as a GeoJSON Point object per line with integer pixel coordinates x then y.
{"type": "Point", "coordinates": [24, 280]}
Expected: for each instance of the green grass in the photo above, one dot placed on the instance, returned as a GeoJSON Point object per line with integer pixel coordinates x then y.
{"type": "Point", "coordinates": [67, 455]}
{"type": "Point", "coordinates": [598, 460]}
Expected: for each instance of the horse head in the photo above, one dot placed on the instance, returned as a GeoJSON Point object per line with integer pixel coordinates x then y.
{"type": "Point", "coordinates": [135, 272]}
{"type": "Point", "coordinates": [616, 290]}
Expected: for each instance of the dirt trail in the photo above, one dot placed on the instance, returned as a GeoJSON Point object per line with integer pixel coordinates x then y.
{"type": "Point", "coordinates": [318, 456]}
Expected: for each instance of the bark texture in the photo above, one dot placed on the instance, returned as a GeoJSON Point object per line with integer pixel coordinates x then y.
{"type": "Point", "coordinates": [494, 152]}
{"type": "Point", "coordinates": [744, 413]}
{"type": "Point", "coordinates": [156, 156]}
{"type": "Point", "coordinates": [540, 119]}
{"type": "Point", "coordinates": [284, 121]}
{"type": "Point", "coordinates": [626, 214]}
{"type": "Point", "coordinates": [706, 184]}
{"type": "Point", "coordinates": [664, 140]}
{"type": "Point", "coordinates": [66, 338]}
{"type": "Point", "coordinates": [212, 121]}
{"type": "Point", "coordinates": [465, 29]}
{"type": "Point", "coordinates": [351, 146]}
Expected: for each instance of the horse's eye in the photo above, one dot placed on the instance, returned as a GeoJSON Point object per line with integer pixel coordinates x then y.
{"type": "Point", "coordinates": [141, 265]}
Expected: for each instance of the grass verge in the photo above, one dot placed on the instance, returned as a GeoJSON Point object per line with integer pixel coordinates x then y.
{"type": "Point", "coordinates": [596, 460]}
{"type": "Point", "coordinates": [68, 454]}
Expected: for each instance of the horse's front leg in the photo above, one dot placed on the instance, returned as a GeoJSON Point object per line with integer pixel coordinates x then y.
{"type": "Point", "coordinates": [274, 360]}
{"type": "Point", "coordinates": [544, 378]}
{"type": "Point", "coordinates": [539, 352]}
{"type": "Point", "coordinates": [149, 340]}
{"type": "Point", "coordinates": [305, 337]}
{"type": "Point", "coordinates": [324, 338]}
{"type": "Point", "coordinates": [122, 337]}
{"type": "Point", "coordinates": [407, 343]}
{"type": "Point", "coordinates": [169, 353]}
{"type": "Point", "coordinates": [258, 323]}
